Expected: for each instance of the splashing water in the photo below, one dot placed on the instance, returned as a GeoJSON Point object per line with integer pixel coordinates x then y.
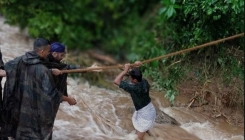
{"type": "Point", "coordinates": [102, 114]}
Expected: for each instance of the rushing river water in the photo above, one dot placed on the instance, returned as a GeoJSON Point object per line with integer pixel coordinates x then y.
{"type": "Point", "coordinates": [102, 114]}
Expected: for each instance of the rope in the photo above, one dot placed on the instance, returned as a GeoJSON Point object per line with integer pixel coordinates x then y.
{"type": "Point", "coordinates": [156, 58]}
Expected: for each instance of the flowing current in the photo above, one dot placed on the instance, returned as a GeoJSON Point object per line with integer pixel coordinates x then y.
{"type": "Point", "coordinates": [102, 114]}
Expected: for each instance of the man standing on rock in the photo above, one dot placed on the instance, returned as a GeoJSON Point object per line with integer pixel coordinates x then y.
{"type": "Point", "coordinates": [31, 100]}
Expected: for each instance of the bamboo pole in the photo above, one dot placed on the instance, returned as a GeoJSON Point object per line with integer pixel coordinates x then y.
{"type": "Point", "coordinates": [156, 58]}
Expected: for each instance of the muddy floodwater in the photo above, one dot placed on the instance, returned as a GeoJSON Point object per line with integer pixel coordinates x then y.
{"type": "Point", "coordinates": [102, 114]}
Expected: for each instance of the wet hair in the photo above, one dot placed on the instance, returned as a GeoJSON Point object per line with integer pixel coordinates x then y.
{"type": "Point", "coordinates": [39, 44]}
{"type": "Point", "coordinates": [136, 74]}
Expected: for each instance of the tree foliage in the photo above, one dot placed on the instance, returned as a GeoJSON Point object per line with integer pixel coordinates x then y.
{"type": "Point", "coordinates": [78, 24]}
{"type": "Point", "coordinates": [203, 21]}
{"type": "Point", "coordinates": [138, 30]}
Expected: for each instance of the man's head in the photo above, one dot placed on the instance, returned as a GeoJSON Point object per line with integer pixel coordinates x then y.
{"type": "Point", "coordinates": [135, 75]}
{"type": "Point", "coordinates": [58, 51]}
{"type": "Point", "coordinates": [41, 47]}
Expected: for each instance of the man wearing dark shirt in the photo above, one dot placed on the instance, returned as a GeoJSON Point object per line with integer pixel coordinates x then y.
{"type": "Point", "coordinates": [144, 117]}
{"type": "Point", "coordinates": [57, 53]}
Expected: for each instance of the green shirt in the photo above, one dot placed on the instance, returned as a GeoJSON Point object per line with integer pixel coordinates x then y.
{"type": "Point", "coordinates": [139, 92]}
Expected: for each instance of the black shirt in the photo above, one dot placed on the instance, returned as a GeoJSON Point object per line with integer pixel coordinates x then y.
{"type": "Point", "coordinates": [60, 80]}
{"type": "Point", "coordinates": [139, 93]}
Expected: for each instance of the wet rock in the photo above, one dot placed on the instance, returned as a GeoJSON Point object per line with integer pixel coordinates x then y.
{"type": "Point", "coordinates": [163, 118]}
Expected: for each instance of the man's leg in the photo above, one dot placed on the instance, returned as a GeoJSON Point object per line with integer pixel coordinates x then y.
{"type": "Point", "coordinates": [149, 133]}
{"type": "Point", "coordinates": [140, 135]}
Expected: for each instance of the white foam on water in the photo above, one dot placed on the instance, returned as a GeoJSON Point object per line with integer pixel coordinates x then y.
{"type": "Point", "coordinates": [204, 131]}
{"type": "Point", "coordinates": [238, 137]}
{"type": "Point", "coordinates": [131, 136]}
{"type": "Point", "coordinates": [96, 106]}
{"type": "Point", "coordinates": [12, 42]}
{"type": "Point", "coordinates": [184, 115]}
{"type": "Point", "coordinates": [207, 131]}
{"type": "Point", "coordinates": [199, 125]}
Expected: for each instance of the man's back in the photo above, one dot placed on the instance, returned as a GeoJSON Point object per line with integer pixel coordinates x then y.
{"type": "Point", "coordinates": [37, 100]}
{"type": "Point", "coordinates": [139, 92]}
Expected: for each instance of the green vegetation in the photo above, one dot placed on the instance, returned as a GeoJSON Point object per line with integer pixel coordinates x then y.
{"type": "Point", "coordinates": [139, 30]}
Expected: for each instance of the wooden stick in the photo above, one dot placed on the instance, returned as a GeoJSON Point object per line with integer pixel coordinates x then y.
{"type": "Point", "coordinates": [194, 48]}
{"type": "Point", "coordinates": [156, 58]}
{"type": "Point", "coordinates": [91, 69]}
{"type": "Point", "coordinates": [196, 94]}
{"type": "Point", "coordinates": [191, 103]}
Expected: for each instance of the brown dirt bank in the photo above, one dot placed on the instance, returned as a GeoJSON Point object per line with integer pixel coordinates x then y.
{"type": "Point", "coordinates": [213, 98]}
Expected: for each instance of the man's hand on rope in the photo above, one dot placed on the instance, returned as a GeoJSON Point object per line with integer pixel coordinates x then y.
{"type": "Point", "coordinates": [126, 67]}
{"type": "Point", "coordinates": [137, 64]}
{"type": "Point", "coordinates": [95, 66]}
{"type": "Point", "coordinates": [56, 71]}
